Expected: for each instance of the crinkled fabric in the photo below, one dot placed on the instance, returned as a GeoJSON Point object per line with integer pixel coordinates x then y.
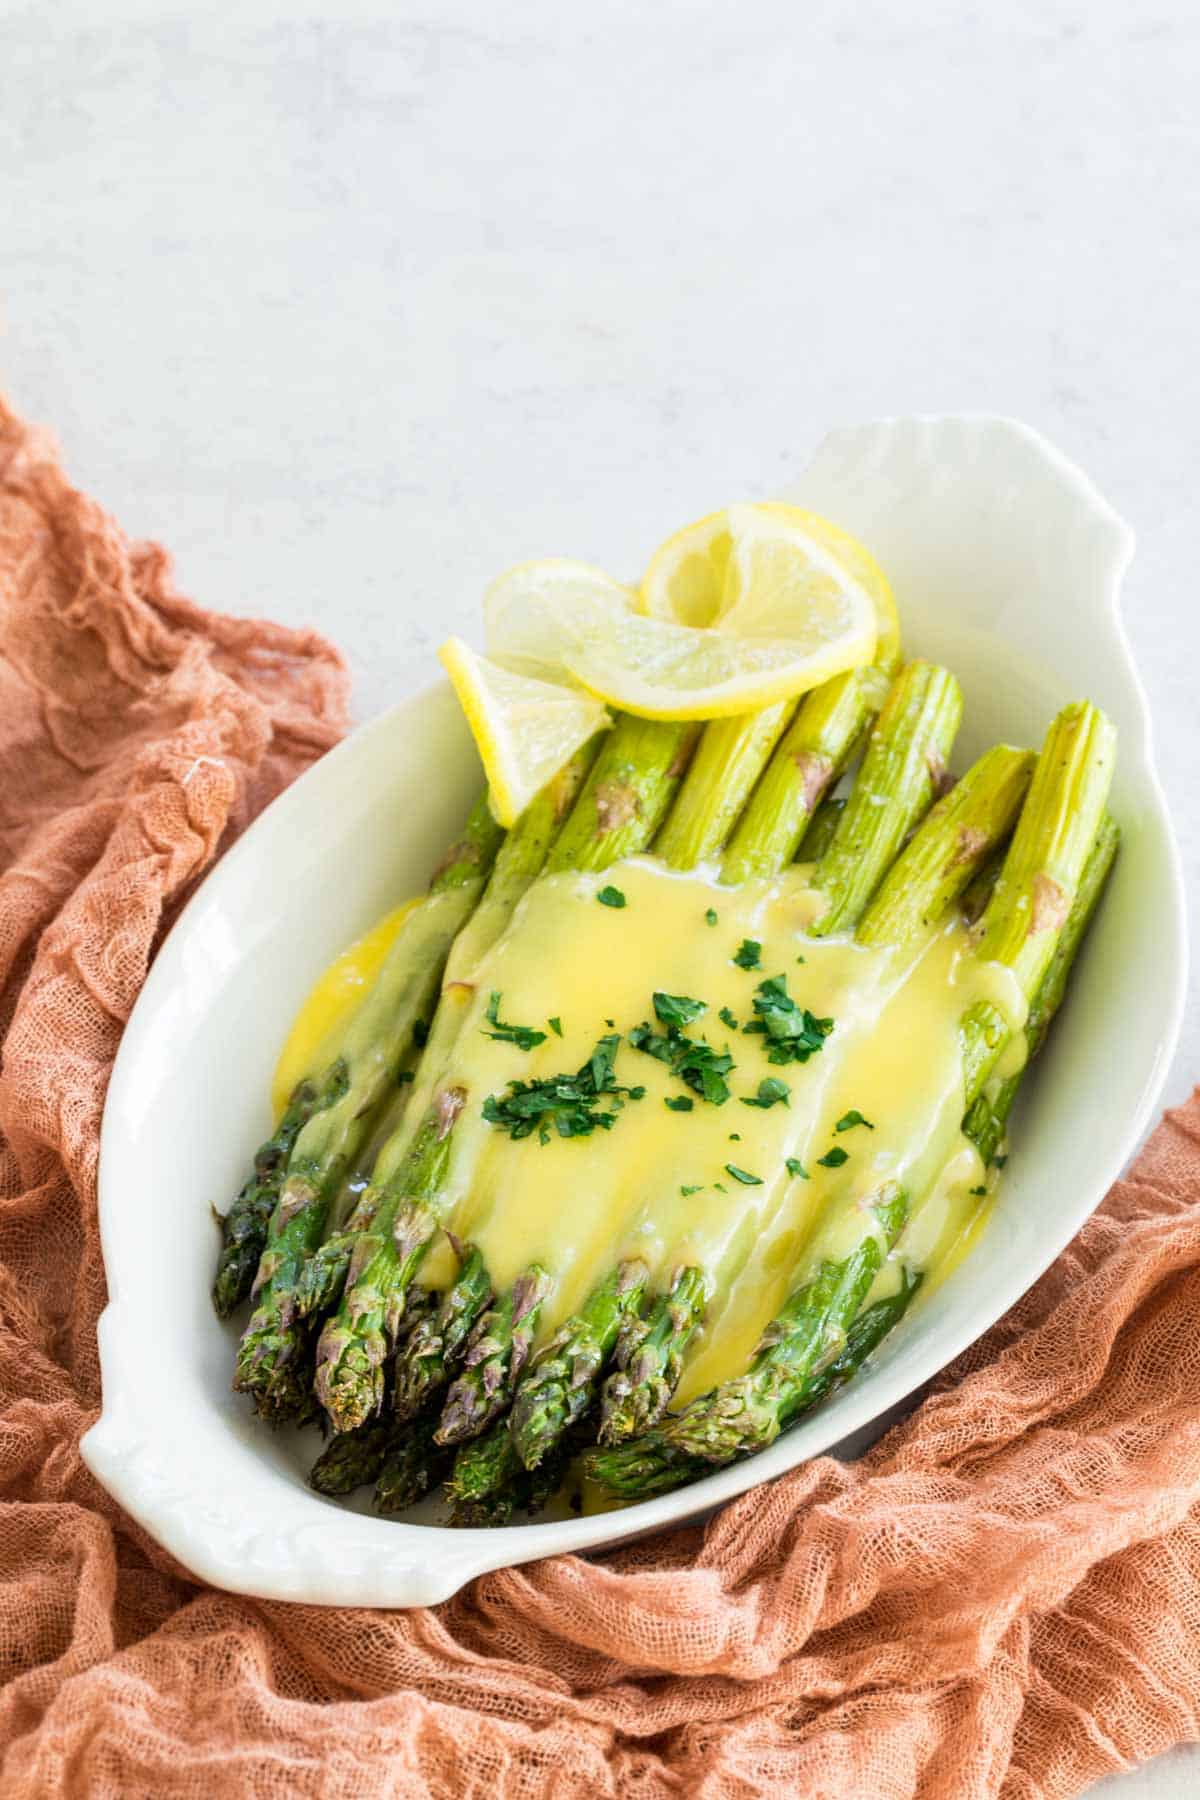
{"type": "Point", "coordinates": [1003, 1598]}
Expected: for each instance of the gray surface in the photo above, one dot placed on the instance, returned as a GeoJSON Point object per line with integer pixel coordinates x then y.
{"type": "Point", "coordinates": [352, 309]}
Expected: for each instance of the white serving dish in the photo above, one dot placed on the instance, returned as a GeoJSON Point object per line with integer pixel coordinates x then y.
{"type": "Point", "coordinates": [1007, 566]}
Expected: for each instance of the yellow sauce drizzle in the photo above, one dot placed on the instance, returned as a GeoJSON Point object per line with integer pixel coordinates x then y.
{"type": "Point", "coordinates": [312, 1040]}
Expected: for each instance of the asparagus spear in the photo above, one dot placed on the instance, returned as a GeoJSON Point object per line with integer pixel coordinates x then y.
{"type": "Point", "coordinates": [1058, 822]}
{"type": "Point", "coordinates": [412, 1466]}
{"type": "Point", "coordinates": [820, 833]}
{"type": "Point", "coordinates": [376, 1041]}
{"type": "Point", "coordinates": [728, 761]}
{"type": "Point", "coordinates": [626, 794]}
{"type": "Point", "coordinates": [352, 1458]}
{"type": "Point", "coordinates": [640, 1471]}
{"type": "Point", "coordinates": [561, 1382]}
{"type": "Point", "coordinates": [649, 1356]}
{"type": "Point", "coordinates": [495, 1359]}
{"type": "Point", "coordinates": [437, 1343]}
{"type": "Point", "coordinates": [244, 1228]}
{"type": "Point", "coordinates": [988, 1114]}
{"type": "Point", "coordinates": [902, 770]}
{"type": "Point", "coordinates": [518, 862]}
{"type": "Point", "coordinates": [824, 734]}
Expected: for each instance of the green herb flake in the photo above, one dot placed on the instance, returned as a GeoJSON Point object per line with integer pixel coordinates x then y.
{"type": "Point", "coordinates": [771, 1092]}
{"type": "Point", "coordinates": [793, 1034]}
{"type": "Point", "coordinates": [801, 959]}
{"type": "Point", "coordinates": [555, 1025]}
{"type": "Point", "coordinates": [710, 917]}
{"type": "Point", "coordinates": [523, 1036]}
{"type": "Point", "coordinates": [796, 1168]}
{"type": "Point", "coordinates": [420, 1033]}
{"type": "Point", "coordinates": [690, 1060]}
{"type": "Point", "coordinates": [719, 1187]}
{"type": "Point", "coordinates": [677, 1009]}
{"type": "Point", "coordinates": [743, 1175]}
{"type": "Point", "coordinates": [849, 1120]}
{"type": "Point", "coordinates": [686, 1191]}
{"type": "Point", "coordinates": [748, 954]}
{"type": "Point", "coordinates": [679, 1103]}
{"type": "Point", "coordinates": [978, 1190]}
{"type": "Point", "coordinates": [726, 1017]}
{"type": "Point", "coordinates": [611, 896]}
{"type": "Point", "coordinates": [998, 1162]}
{"type": "Point", "coordinates": [735, 1137]}
{"type": "Point", "coordinates": [572, 1105]}
{"type": "Point", "coordinates": [833, 1159]}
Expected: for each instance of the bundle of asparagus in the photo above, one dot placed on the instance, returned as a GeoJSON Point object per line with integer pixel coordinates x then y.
{"type": "Point", "coordinates": [418, 1386]}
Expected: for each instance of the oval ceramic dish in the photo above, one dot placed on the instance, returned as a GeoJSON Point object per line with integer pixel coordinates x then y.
{"type": "Point", "coordinates": [1007, 566]}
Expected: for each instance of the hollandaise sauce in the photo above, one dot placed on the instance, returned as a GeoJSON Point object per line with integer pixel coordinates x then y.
{"type": "Point", "coordinates": [741, 1152]}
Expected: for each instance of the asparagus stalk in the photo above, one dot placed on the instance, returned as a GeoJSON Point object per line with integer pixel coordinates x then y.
{"type": "Point", "coordinates": [820, 833]}
{"type": "Point", "coordinates": [376, 1041]}
{"type": "Point", "coordinates": [1041, 873]}
{"type": "Point", "coordinates": [438, 1342]}
{"type": "Point", "coordinates": [728, 761]}
{"type": "Point", "coordinates": [352, 1458]}
{"type": "Point", "coordinates": [902, 770]}
{"type": "Point", "coordinates": [561, 1382]}
{"type": "Point", "coordinates": [518, 862]}
{"type": "Point", "coordinates": [649, 1356]}
{"type": "Point", "coordinates": [244, 1228]}
{"type": "Point", "coordinates": [987, 1116]}
{"type": "Point", "coordinates": [1057, 824]}
{"type": "Point", "coordinates": [649, 1468]}
{"type": "Point", "coordinates": [495, 1359]}
{"type": "Point", "coordinates": [825, 732]}
{"type": "Point", "coordinates": [412, 1466]}
{"type": "Point", "coordinates": [625, 796]}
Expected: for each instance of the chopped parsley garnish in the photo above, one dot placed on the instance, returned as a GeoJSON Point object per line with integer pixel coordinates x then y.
{"type": "Point", "coordinates": [420, 1033]}
{"type": "Point", "coordinates": [849, 1120]}
{"type": "Point", "coordinates": [710, 917]}
{"type": "Point", "coordinates": [796, 1167]}
{"type": "Point", "coordinates": [611, 896]}
{"type": "Point", "coordinates": [680, 1103]}
{"type": "Point", "coordinates": [833, 1159]}
{"type": "Point", "coordinates": [726, 1017]}
{"type": "Point", "coordinates": [793, 1033]}
{"type": "Point", "coordinates": [978, 1190]}
{"type": "Point", "coordinates": [685, 1191]}
{"type": "Point", "coordinates": [572, 1105]}
{"type": "Point", "coordinates": [693, 1062]}
{"type": "Point", "coordinates": [523, 1036]}
{"type": "Point", "coordinates": [801, 959]}
{"type": "Point", "coordinates": [555, 1025]}
{"type": "Point", "coordinates": [677, 1009]}
{"type": "Point", "coordinates": [748, 954]}
{"type": "Point", "coordinates": [771, 1091]}
{"type": "Point", "coordinates": [743, 1175]}
{"type": "Point", "coordinates": [735, 1137]}
{"type": "Point", "coordinates": [998, 1162]}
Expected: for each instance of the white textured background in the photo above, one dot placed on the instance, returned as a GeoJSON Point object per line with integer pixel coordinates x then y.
{"type": "Point", "coordinates": [353, 306]}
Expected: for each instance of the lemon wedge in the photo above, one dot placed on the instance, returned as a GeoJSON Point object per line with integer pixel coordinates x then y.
{"type": "Point", "coordinates": [524, 728]}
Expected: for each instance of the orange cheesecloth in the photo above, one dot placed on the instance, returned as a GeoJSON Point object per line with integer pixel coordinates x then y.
{"type": "Point", "coordinates": [1001, 1598]}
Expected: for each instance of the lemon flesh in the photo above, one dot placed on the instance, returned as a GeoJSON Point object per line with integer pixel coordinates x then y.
{"type": "Point", "coordinates": [525, 729]}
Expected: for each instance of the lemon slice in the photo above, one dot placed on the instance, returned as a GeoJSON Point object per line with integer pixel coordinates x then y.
{"type": "Point", "coordinates": [534, 613]}
{"type": "Point", "coordinates": [716, 571]}
{"type": "Point", "coordinates": [525, 729]}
